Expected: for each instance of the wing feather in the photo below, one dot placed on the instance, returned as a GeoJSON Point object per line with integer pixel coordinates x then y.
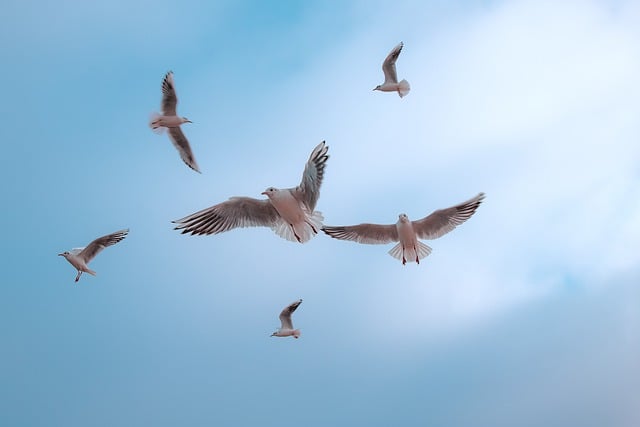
{"type": "Point", "coordinates": [443, 221]}
{"type": "Point", "coordinates": [95, 247]}
{"type": "Point", "coordinates": [389, 65]}
{"type": "Point", "coordinates": [169, 97]}
{"type": "Point", "coordinates": [184, 148]}
{"type": "Point", "coordinates": [371, 234]}
{"type": "Point", "coordinates": [309, 189]}
{"type": "Point", "coordinates": [235, 212]}
{"type": "Point", "coordinates": [285, 315]}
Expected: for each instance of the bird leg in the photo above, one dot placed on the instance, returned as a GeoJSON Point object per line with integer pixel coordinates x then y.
{"type": "Point", "coordinates": [416, 251]}
{"type": "Point", "coordinates": [295, 234]}
{"type": "Point", "coordinates": [312, 227]}
{"type": "Point", "coordinates": [404, 260]}
{"type": "Point", "coordinates": [78, 276]}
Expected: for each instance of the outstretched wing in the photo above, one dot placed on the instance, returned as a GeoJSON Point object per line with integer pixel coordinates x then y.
{"type": "Point", "coordinates": [169, 98]}
{"type": "Point", "coordinates": [389, 65]}
{"type": "Point", "coordinates": [372, 234]}
{"type": "Point", "coordinates": [235, 212]}
{"type": "Point", "coordinates": [285, 315]}
{"type": "Point", "coordinates": [95, 247]}
{"type": "Point", "coordinates": [309, 189]}
{"type": "Point", "coordinates": [443, 221]}
{"type": "Point", "coordinates": [182, 145]}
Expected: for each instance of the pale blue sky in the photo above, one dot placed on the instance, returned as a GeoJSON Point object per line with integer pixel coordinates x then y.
{"type": "Point", "coordinates": [528, 314]}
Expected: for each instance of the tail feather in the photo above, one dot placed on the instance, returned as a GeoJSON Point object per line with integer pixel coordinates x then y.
{"type": "Point", "coordinates": [410, 255]}
{"type": "Point", "coordinates": [152, 118]}
{"type": "Point", "coordinates": [91, 272]}
{"type": "Point", "coordinates": [305, 231]}
{"type": "Point", "coordinates": [403, 88]}
{"type": "Point", "coordinates": [296, 333]}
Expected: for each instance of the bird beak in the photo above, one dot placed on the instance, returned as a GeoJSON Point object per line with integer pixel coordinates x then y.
{"type": "Point", "coordinates": [60, 254]}
{"type": "Point", "coordinates": [264, 192]}
{"type": "Point", "coordinates": [189, 121]}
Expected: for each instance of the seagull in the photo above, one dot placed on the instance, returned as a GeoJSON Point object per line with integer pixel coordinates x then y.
{"type": "Point", "coordinates": [170, 120]}
{"type": "Point", "coordinates": [286, 330]}
{"type": "Point", "coordinates": [288, 212]}
{"type": "Point", "coordinates": [407, 232]}
{"type": "Point", "coordinates": [390, 76]}
{"type": "Point", "coordinates": [80, 257]}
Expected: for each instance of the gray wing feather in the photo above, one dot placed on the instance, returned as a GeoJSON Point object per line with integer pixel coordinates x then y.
{"type": "Point", "coordinates": [95, 247]}
{"type": "Point", "coordinates": [285, 315]}
{"type": "Point", "coordinates": [389, 65]}
{"type": "Point", "coordinates": [309, 189]}
{"type": "Point", "coordinates": [371, 234]}
{"type": "Point", "coordinates": [182, 145]}
{"type": "Point", "coordinates": [169, 97]}
{"type": "Point", "coordinates": [443, 221]}
{"type": "Point", "coordinates": [235, 212]}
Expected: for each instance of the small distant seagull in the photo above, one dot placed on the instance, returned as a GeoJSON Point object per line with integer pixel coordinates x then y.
{"type": "Point", "coordinates": [288, 212]}
{"type": "Point", "coordinates": [408, 232]}
{"type": "Point", "coordinates": [170, 120]}
{"type": "Point", "coordinates": [80, 257]}
{"type": "Point", "coordinates": [286, 329]}
{"type": "Point", "coordinates": [391, 77]}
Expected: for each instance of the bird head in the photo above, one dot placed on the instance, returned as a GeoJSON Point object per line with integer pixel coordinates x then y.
{"type": "Point", "coordinates": [403, 217]}
{"type": "Point", "coordinates": [185, 120]}
{"type": "Point", "coordinates": [270, 191]}
{"type": "Point", "coordinates": [64, 254]}
{"type": "Point", "coordinates": [377, 87]}
{"type": "Point", "coordinates": [275, 334]}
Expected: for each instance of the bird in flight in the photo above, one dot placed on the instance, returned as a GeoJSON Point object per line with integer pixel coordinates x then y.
{"type": "Point", "coordinates": [80, 257]}
{"type": "Point", "coordinates": [391, 83]}
{"type": "Point", "coordinates": [289, 212]}
{"type": "Point", "coordinates": [286, 328]}
{"type": "Point", "coordinates": [407, 233]}
{"type": "Point", "coordinates": [171, 121]}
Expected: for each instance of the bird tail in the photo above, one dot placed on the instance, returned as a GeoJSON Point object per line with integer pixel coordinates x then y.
{"type": "Point", "coordinates": [296, 333]}
{"type": "Point", "coordinates": [403, 88]}
{"type": "Point", "coordinates": [410, 254]}
{"type": "Point", "coordinates": [91, 272]}
{"type": "Point", "coordinates": [153, 117]}
{"type": "Point", "coordinates": [305, 231]}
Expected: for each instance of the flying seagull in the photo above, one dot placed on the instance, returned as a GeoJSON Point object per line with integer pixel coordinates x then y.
{"type": "Point", "coordinates": [286, 328]}
{"type": "Point", "coordinates": [80, 257]}
{"type": "Point", "coordinates": [407, 232]}
{"type": "Point", "coordinates": [171, 121]}
{"type": "Point", "coordinates": [391, 77]}
{"type": "Point", "coordinates": [288, 212]}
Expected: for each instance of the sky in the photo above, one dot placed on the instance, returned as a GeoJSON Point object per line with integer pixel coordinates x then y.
{"type": "Point", "coordinates": [527, 314]}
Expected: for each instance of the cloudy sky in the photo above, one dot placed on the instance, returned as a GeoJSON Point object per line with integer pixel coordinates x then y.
{"type": "Point", "coordinates": [528, 314]}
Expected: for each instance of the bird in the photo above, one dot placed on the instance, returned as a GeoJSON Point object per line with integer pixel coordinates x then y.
{"type": "Point", "coordinates": [289, 212]}
{"type": "Point", "coordinates": [407, 233]}
{"type": "Point", "coordinates": [80, 257]}
{"type": "Point", "coordinates": [391, 77]}
{"type": "Point", "coordinates": [286, 328]}
{"type": "Point", "coordinates": [171, 121]}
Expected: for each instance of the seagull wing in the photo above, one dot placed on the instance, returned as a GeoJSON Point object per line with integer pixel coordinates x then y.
{"type": "Point", "coordinates": [389, 65]}
{"type": "Point", "coordinates": [309, 189]}
{"type": "Point", "coordinates": [235, 212]}
{"type": "Point", "coordinates": [371, 234]}
{"type": "Point", "coordinates": [443, 221]}
{"type": "Point", "coordinates": [95, 247]}
{"type": "Point", "coordinates": [285, 315]}
{"type": "Point", "coordinates": [169, 98]}
{"type": "Point", "coordinates": [182, 145]}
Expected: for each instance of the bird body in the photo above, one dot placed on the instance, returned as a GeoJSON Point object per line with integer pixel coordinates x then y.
{"type": "Point", "coordinates": [286, 325]}
{"type": "Point", "coordinates": [170, 120]}
{"type": "Point", "coordinates": [79, 258]}
{"type": "Point", "coordinates": [391, 83]}
{"type": "Point", "coordinates": [289, 212]}
{"type": "Point", "coordinates": [407, 232]}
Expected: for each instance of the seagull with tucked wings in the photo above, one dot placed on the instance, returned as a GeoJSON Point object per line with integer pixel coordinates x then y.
{"type": "Point", "coordinates": [407, 233]}
{"type": "Point", "coordinates": [80, 257]}
{"type": "Point", "coordinates": [289, 212]}
{"type": "Point", "coordinates": [171, 121]}
{"type": "Point", "coordinates": [286, 328]}
{"type": "Point", "coordinates": [391, 83]}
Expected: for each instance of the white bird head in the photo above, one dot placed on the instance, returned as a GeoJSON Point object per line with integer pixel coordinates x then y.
{"type": "Point", "coordinates": [185, 120]}
{"type": "Point", "coordinates": [271, 191]}
{"type": "Point", "coordinates": [64, 254]}
{"type": "Point", "coordinates": [403, 217]}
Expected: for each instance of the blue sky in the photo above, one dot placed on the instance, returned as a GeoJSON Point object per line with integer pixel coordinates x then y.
{"type": "Point", "coordinates": [525, 315]}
